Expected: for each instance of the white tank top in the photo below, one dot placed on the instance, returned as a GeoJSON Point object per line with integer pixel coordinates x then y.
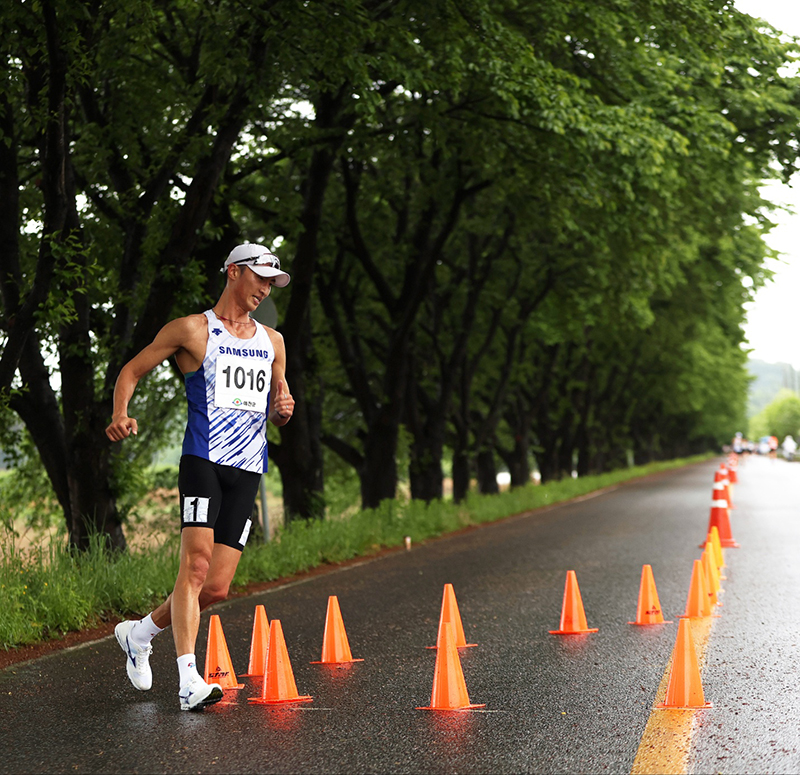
{"type": "Point", "coordinates": [228, 399]}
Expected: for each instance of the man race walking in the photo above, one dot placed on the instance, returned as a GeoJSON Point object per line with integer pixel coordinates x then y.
{"type": "Point", "coordinates": [234, 373]}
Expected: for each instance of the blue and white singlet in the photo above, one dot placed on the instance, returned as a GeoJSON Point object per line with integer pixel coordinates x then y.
{"type": "Point", "coordinates": [228, 399]}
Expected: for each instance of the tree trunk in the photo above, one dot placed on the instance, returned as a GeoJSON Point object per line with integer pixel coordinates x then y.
{"type": "Point", "coordinates": [487, 472]}
{"type": "Point", "coordinates": [93, 505]}
{"type": "Point", "coordinates": [378, 473]}
{"type": "Point", "coordinates": [299, 457]}
{"type": "Point", "coordinates": [425, 469]}
{"type": "Point", "coordinates": [425, 421]}
{"type": "Point", "coordinates": [461, 475]}
{"type": "Point", "coordinates": [518, 461]}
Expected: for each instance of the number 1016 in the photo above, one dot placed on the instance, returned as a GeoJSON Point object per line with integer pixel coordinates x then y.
{"type": "Point", "coordinates": [258, 380]}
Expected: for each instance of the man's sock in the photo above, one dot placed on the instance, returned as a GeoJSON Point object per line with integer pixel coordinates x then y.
{"type": "Point", "coordinates": [144, 631]}
{"type": "Point", "coordinates": [187, 669]}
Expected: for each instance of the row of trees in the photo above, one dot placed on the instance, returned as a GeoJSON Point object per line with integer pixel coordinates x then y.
{"type": "Point", "coordinates": [780, 418]}
{"type": "Point", "coordinates": [521, 232]}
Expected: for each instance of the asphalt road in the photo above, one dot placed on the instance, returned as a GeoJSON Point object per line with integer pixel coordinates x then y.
{"type": "Point", "coordinates": [553, 704]}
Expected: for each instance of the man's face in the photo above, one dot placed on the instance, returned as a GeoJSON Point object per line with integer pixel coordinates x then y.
{"type": "Point", "coordinates": [251, 289]}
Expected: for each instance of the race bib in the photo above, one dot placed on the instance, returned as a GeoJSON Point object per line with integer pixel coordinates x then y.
{"type": "Point", "coordinates": [241, 383]}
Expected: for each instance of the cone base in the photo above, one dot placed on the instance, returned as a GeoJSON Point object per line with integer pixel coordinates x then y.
{"type": "Point", "coordinates": [465, 646]}
{"type": "Point", "coordinates": [465, 707]}
{"type": "Point", "coordinates": [651, 624]}
{"type": "Point", "coordinates": [725, 543]}
{"type": "Point", "coordinates": [262, 701]}
{"type": "Point", "coordinates": [330, 662]}
{"type": "Point", "coordinates": [251, 675]}
{"type": "Point", "coordinates": [664, 706]}
{"type": "Point", "coordinates": [573, 632]}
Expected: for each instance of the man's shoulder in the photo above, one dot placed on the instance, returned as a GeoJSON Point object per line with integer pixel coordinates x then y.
{"type": "Point", "coordinates": [275, 336]}
{"type": "Point", "coordinates": [194, 322]}
{"type": "Point", "coordinates": [181, 331]}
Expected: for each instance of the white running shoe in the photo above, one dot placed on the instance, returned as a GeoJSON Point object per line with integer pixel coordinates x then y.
{"type": "Point", "coordinates": [197, 694]}
{"type": "Point", "coordinates": [138, 663]}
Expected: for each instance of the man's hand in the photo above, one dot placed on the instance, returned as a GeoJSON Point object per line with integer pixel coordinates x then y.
{"type": "Point", "coordinates": [284, 404]}
{"type": "Point", "coordinates": [122, 427]}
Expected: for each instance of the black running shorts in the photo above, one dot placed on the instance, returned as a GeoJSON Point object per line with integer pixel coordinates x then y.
{"type": "Point", "coordinates": [218, 497]}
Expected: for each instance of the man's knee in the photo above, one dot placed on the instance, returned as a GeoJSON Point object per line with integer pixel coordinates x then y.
{"type": "Point", "coordinates": [195, 567]}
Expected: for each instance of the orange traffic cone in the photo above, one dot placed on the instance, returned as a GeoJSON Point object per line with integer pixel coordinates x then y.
{"type": "Point", "coordinates": [219, 668]}
{"type": "Point", "coordinates": [712, 584]}
{"type": "Point", "coordinates": [259, 643]}
{"type": "Point", "coordinates": [449, 688]}
{"type": "Point", "coordinates": [712, 575]}
{"type": "Point", "coordinates": [649, 609]}
{"type": "Point", "coordinates": [733, 464]}
{"type": "Point", "coordinates": [450, 614]}
{"type": "Point", "coordinates": [713, 538]}
{"type": "Point", "coordinates": [685, 689]}
{"type": "Point", "coordinates": [335, 646]}
{"type": "Point", "coordinates": [279, 684]}
{"type": "Point", "coordinates": [722, 476]}
{"type": "Point", "coordinates": [720, 518]}
{"type": "Point", "coordinates": [698, 603]}
{"type": "Point", "coordinates": [573, 618]}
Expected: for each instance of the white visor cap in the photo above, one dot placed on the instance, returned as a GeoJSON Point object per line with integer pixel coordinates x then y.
{"type": "Point", "coordinates": [260, 260]}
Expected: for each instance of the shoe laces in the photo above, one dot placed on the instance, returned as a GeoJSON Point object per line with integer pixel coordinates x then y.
{"type": "Point", "coordinates": [142, 656]}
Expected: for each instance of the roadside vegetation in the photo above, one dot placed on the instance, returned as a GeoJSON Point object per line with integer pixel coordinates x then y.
{"type": "Point", "coordinates": [781, 417]}
{"type": "Point", "coordinates": [48, 589]}
{"type": "Point", "coordinates": [519, 234]}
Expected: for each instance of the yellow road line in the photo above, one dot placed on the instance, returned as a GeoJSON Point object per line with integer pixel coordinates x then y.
{"type": "Point", "coordinates": [666, 740]}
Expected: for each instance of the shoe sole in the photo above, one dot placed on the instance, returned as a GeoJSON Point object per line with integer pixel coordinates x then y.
{"type": "Point", "coordinates": [214, 696]}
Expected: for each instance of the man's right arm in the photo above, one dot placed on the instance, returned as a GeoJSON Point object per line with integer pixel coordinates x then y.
{"type": "Point", "coordinates": [174, 336]}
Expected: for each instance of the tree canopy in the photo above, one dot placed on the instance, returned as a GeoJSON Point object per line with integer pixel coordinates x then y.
{"type": "Point", "coordinates": [516, 232]}
{"type": "Point", "coordinates": [780, 418]}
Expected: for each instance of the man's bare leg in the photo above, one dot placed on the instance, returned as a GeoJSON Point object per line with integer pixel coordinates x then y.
{"type": "Point", "coordinates": [224, 561]}
{"type": "Point", "coordinates": [197, 547]}
{"type": "Point", "coordinates": [204, 577]}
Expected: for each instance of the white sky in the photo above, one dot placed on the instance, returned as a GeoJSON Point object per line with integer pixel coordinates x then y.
{"type": "Point", "coordinates": [771, 327]}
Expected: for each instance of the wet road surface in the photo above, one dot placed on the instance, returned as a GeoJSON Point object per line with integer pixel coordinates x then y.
{"type": "Point", "coordinates": [553, 704]}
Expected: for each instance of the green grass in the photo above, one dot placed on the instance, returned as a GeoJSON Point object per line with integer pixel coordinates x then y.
{"type": "Point", "coordinates": [50, 590]}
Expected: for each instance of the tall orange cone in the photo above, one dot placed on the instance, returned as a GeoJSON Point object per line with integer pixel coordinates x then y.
{"type": "Point", "coordinates": [713, 539]}
{"type": "Point", "coordinates": [648, 610]}
{"type": "Point", "coordinates": [279, 684]}
{"type": "Point", "coordinates": [712, 583]}
{"type": "Point", "coordinates": [449, 688]}
{"type": "Point", "coordinates": [451, 614]}
{"type": "Point", "coordinates": [722, 476]}
{"type": "Point", "coordinates": [259, 643]}
{"type": "Point", "coordinates": [335, 646]}
{"type": "Point", "coordinates": [720, 517]}
{"type": "Point", "coordinates": [733, 464]}
{"type": "Point", "coordinates": [698, 603]}
{"type": "Point", "coordinates": [219, 668]}
{"type": "Point", "coordinates": [712, 575]}
{"type": "Point", "coordinates": [573, 618]}
{"type": "Point", "coordinates": [685, 688]}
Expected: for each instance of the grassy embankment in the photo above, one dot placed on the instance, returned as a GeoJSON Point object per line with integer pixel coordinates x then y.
{"type": "Point", "coordinates": [47, 590]}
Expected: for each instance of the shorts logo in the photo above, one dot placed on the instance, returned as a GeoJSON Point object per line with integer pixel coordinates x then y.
{"type": "Point", "coordinates": [195, 509]}
{"type": "Point", "coordinates": [245, 532]}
